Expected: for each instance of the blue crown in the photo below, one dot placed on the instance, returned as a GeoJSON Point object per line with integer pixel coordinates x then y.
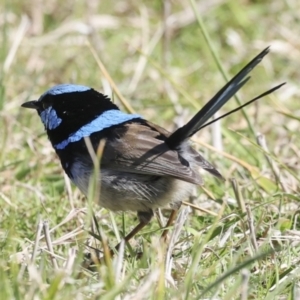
{"type": "Point", "coordinates": [64, 89]}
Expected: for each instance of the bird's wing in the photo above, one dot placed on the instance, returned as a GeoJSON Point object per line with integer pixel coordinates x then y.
{"type": "Point", "coordinates": [140, 148]}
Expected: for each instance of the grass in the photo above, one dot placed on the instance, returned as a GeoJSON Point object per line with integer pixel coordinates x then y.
{"type": "Point", "coordinates": [249, 248]}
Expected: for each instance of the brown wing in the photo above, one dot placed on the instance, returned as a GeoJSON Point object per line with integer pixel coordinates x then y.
{"type": "Point", "coordinates": [146, 153]}
{"type": "Point", "coordinates": [192, 153]}
{"type": "Point", "coordinates": [204, 164]}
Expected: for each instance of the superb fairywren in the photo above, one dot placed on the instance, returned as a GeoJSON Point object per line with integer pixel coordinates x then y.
{"type": "Point", "coordinates": [143, 166]}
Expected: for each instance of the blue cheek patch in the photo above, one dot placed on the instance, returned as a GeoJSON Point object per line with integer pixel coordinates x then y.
{"type": "Point", "coordinates": [105, 120]}
{"type": "Point", "coordinates": [50, 118]}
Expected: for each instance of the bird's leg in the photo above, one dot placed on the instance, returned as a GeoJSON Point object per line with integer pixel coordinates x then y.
{"type": "Point", "coordinates": [144, 218]}
{"type": "Point", "coordinates": [169, 223]}
{"type": "Point", "coordinates": [173, 214]}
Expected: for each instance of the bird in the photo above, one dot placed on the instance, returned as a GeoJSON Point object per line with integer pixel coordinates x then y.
{"type": "Point", "coordinates": [143, 166]}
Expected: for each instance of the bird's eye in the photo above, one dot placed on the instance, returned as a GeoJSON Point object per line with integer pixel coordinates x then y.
{"type": "Point", "coordinates": [46, 105]}
{"type": "Point", "coordinates": [46, 102]}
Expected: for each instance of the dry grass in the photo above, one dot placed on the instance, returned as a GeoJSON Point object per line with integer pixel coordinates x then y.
{"type": "Point", "coordinates": [153, 59]}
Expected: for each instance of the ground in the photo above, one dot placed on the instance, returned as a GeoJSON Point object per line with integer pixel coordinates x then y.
{"type": "Point", "coordinates": [163, 60]}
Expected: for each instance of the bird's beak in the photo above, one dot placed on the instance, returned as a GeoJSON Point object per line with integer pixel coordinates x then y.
{"type": "Point", "coordinates": [31, 104]}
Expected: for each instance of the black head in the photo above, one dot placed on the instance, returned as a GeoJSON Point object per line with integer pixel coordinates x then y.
{"type": "Point", "coordinates": [65, 108]}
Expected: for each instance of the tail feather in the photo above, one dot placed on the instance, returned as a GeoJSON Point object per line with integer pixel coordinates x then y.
{"type": "Point", "coordinates": [212, 106]}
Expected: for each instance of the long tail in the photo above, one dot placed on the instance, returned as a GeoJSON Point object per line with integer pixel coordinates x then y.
{"type": "Point", "coordinates": [212, 106]}
{"type": "Point", "coordinates": [245, 104]}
